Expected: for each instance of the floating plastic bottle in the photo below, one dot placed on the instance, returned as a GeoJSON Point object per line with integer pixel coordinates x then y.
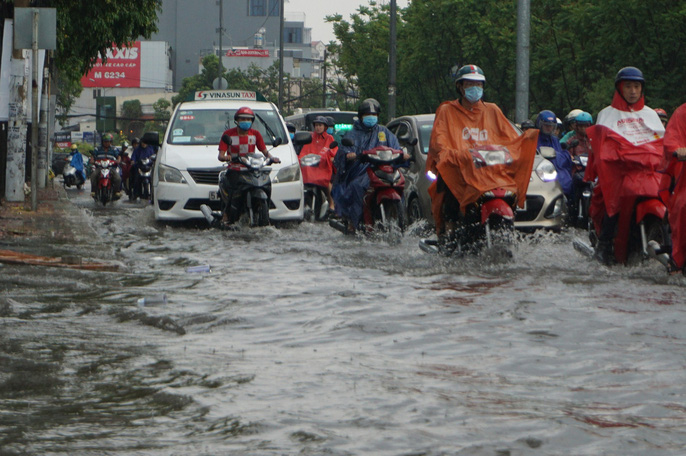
{"type": "Point", "coordinates": [201, 268]}
{"type": "Point", "coordinates": [152, 300]}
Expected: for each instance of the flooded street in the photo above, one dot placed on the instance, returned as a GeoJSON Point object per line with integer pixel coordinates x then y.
{"type": "Point", "coordinates": [303, 341]}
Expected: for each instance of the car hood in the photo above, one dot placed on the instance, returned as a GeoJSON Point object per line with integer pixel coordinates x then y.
{"type": "Point", "coordinates": [184, 157]}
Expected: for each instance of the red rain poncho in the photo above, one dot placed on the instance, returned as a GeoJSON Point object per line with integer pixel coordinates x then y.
{"type": "Point", "coordinates": [320, 175]}
{"type": "Point", "coordinates": [456, 130]}
{"type": "Point", "coordinates": [675, 138]}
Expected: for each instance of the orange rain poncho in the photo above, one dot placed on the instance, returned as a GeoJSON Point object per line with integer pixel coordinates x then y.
{"type": "Point", "coordinates": [456, 130]}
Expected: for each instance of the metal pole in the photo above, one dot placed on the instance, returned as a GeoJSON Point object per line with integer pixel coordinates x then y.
{"type": "Point", "coordinates": [522, 79]}
{"type": "Point", "coordinates": [34, 116]}
{"type": "Point", "coordinates": [391, 65]}
{"type": "Point", "coordinates": [281, 20]}
{"type": "Point", "coordinates": [324, 79]}
{"type": "Point", "coordinates": [221, 30]}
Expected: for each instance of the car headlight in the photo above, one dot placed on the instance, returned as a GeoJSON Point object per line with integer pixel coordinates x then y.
{"type": "Point", "coordinates": [170, 175]}
{"type": "Point", "coordinates": [546, 171]}
{"type": "Point", "coordinates": [288, 174]}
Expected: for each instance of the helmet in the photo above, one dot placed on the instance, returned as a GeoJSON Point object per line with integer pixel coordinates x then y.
{"type": "Point", "coordinates": [290, 127]}
{"type": "Point", "coordinates": [330, 122]}
{"type": "Point", "coordinates": [571, 117]}
{"type": "Point", "coordinates": [320, 120]}
{"type": "Point", "coordinates": [75, 147]}
{"type": "Point", "coordinates": [244, 112]}
{"type": "Point", "coordinates": [584, 118]}
{"type": "Point", "coordinates": [135, 140]}
{"type": "Point", "coordinates": [107, 137]}
{"type": "Point", "coordinates": [470, 73]}
{"type": "Point", "coordinates": [546, 117]}
{"type": "Point", "coordinates": [527, 124]}
{"type": "Point", "coordinates": [660, 112]}
{"type": "Point", "coordinates": [629, 74]}
{"type": "Point", "coordinates": [368, 106]}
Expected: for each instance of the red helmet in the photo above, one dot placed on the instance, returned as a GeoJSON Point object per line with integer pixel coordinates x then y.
{"type": "Point", "coordinates": [661, 112]}
{"type": "Point", "coordinates": [244, 112]}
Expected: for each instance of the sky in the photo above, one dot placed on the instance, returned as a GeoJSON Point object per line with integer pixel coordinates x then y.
{"type": "Point", "coordinates": [317, 10]}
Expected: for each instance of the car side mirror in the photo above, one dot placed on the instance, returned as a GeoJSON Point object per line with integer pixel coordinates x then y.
{"type": "Point", "coordinates": [226, 139]}
{"type": "Point", "coordinates": [277, 141]}
{"type": "Point", "coordinates": [301, 138]}
{"type": "Point", "coordinates": [347, 142]}
{"type": "Point", "coordinates": [547, 152]}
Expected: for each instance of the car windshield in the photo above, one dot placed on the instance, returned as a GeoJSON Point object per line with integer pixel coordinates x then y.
{"type": "Point", "coordinates": [193, 127]}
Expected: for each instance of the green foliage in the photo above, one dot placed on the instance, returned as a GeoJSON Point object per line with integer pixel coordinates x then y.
{"type": "Point", "coordinates": [202, 81]}
{"type": "Point", "coordinates": [577, 47]}
{"type": "Point", "coordinates": [161, 108]}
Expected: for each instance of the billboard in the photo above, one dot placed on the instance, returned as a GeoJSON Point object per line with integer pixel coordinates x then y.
{"type": "Point", "coordinates": [247, 53]}
{"type": "Point", "coordinates": [122, 69]}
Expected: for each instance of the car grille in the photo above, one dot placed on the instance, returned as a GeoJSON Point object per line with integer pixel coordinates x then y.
{"type": "Point", "coordinates": [533, 208]}
{"type": "Point", "coordinates": [193, 204]}
{"type": "Point", "coordinates": [206, 176]}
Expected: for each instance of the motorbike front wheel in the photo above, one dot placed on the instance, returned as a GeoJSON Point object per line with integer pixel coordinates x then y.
{"type": "Point", "coordinates": [259, 213]}
{"type": "Point", "coordinates": [392, 219]}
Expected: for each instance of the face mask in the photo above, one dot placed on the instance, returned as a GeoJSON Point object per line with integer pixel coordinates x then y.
{"type": "Point", "coordinates": [370, 121]}
{"type": "Point", "coordinates": [244, 125]}
{"type": "Point", "coordinates": [292, 135]}
{"type": "Point", "coordinates": [474, 93]}
{"type": "Point", "coordinates": [329, 130]}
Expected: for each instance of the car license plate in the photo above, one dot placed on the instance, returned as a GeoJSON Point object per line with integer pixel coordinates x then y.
{"type": "Point", "coordinates": [214, 196]}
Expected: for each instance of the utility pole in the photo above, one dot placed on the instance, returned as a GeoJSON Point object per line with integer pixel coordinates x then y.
{"type": "Point", "coordinates": [522, 71]}
{"type": "Point", "coordinates": [324, 79]}
{"type": "Point", "coordinates": [281, 20]}
{"type": "Point", "coordinates": [34, 115]}
{"type": "Point", "coordinates": [221, 31]}
{"type": "Point", "coordinates": [392, 65]}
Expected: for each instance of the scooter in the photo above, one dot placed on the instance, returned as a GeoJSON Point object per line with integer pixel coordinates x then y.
{"type": "Point", "coordinates": [72, 177]}
{"type": "Point", "coordinates": [316, 202]}
{"type": "Point", "coordinates": [144, 178]}
{"type": "Point", "coordinates": [487, 222]}
{"type": "Point", "coordinates": [383, 208]}
{"type": "Point", "coordinates": [104, 191]}
{"type": "Point", "coordinates": [251, 191]}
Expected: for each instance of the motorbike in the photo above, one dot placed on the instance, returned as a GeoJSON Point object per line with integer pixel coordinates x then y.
{"type": "Point", "coordinates": [383, 208]}
{"type": "Point", "coordinates": [144, 178]}
{"type": "Point", "coordinates": [104, 191]}
{"type": "Point", "coordinates": [316, 202]}
{"type": "Point", "coordinates": [487, 222]}
{"type": "Point", "coordinates": [251, 190]}
{"type": "Point", "coordinates": [72, 177]}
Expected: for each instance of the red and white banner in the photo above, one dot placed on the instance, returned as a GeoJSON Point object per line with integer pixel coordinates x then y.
{"type": "Point", "coordinates": [247, 53]}
{"type": "Point", "coordinates": [123, 69]}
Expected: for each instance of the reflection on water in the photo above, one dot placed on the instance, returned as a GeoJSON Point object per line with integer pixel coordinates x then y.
{"type": "Point", "coordinates": [303, 341]}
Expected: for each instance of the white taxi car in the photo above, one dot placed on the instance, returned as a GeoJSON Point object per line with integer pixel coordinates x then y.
{"type": "Point", "coordinates": [187, 168]}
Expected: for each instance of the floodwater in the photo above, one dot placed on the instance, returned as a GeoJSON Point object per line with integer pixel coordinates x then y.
{"type": "Point", "coordinates": [303, 341]}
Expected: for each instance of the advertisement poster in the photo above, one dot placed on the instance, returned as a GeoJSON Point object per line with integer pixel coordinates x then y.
{"type": "Point", "coordinates": [123, 68]}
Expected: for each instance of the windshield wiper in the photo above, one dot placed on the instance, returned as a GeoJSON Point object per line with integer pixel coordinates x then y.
{"type": "Point", "coordinates": [266, 125]}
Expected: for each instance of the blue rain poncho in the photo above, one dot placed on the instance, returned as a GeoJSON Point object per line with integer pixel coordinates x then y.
{"type": "Point", "coordinates": [562, 161]}
{"type": "Point", "coordinates": [77, 163]}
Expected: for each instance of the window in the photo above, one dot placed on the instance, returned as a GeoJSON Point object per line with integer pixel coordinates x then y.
{"type": "Point", "coordinates": [274, 7]}
{"type": "Point", "coordinates": [257, 8]}
{"type": "Point", "coordinates": [293, 35]}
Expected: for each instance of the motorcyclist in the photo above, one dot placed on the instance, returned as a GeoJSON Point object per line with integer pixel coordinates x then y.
{"type": "Point", "coordinates": [244, 141]}
{"type": "Point", "coordinates": [330, 125]}
{"type": "Point", "coordinates": [125, 168]}
{"type": "Point", "coordinates": [622, 129]}
{"type": "Point", "coordinates": [143, 151]}
{"type": "Point", "coordinates": [106, 150]}
{"type": "Point", "coordinates": [321, 175]}
{"type": "Point", "coordinates": [352, 179]}
{"type": "Point", "coordinates": [662, 114]}
{"type": "Point", "coordinates": [76, 161]}
{"type": "Point", "coordinates": [675, 153]}
{"type": "Point", "coordinates": [459, 126]}
{"type": "Point", "coordinates": [569, 121]}
{"type": "Point", "coordinates": [577, 140]}
{"type": "Point", "coordinates": [546, 122]}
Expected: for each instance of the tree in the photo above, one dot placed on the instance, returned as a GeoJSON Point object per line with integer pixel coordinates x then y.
{"type": "Point", "coordinates": [131, 111]}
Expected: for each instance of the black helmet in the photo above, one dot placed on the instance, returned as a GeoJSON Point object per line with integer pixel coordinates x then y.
{"type": "Point", "coordinates": [629, 74]}
{"type": "Point", "coordinates": [290, 127]}
{"type": "Point", "coordinates": [368, 106]}
{"type": "Point", "coordinates": [135, 140]}
{"type": "Point", "coordinates": [321, 120]}
{"type": "Point", "coordinates": [330, 122]}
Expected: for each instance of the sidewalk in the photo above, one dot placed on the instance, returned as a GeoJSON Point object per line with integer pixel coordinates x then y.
{"type": "Point", "coordinates": [54, 219]}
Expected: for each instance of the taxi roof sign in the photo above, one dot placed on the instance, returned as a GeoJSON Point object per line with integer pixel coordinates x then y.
{"type": "Point", "coordinates": [209, 95]}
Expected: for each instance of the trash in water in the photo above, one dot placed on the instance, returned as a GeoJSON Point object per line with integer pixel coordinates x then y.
{"type": "Point", "coordinates": [201, 268]}
{"type": "Point", "coordinates": [152, 300]}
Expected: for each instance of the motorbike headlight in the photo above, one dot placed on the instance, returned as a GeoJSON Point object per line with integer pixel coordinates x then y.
{"type": "Point", "coordinates": [288, 174]}
{"type": "Point", "coordinates": [431, 176]}
{"type": "Point", "coordinates": [170, 175]}
{"type": "Point", "coordinates": [546, 171]}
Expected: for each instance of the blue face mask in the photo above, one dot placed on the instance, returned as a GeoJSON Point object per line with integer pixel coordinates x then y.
{"type": "Point", "coordinates": [474, 93]}
{"type": "Point", "coordinates": [244, 125]}
{"type": "Point", "coordinates": [292, 135]}
{"type": "Point", "coordinates": [370, 121]}
{"type": "Point", "coordinates": [329, 130]}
